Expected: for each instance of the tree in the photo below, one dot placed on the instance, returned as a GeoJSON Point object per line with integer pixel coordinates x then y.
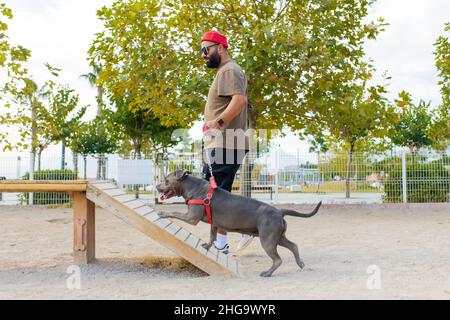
{"type": "Point", "coordinates": [141, 65]}
{"type": "Point", "coordinates": [141, 126]}
{"type": "Point", "coordinates": [318, 144]}
{"type": "Point", "coordinates": [59, 121]}
{"type": "Point", "coordinates": [12, 75]}
{"type": "Point", "coordinates": [92, 78]}
{"type": "Point", "coordinates": [292, 51]}
{"type": "Point", "coordinates": [359, 114]}
{"type": "Point", "coordinates": [86, 139]}
{"type": "Point", "coordinates": [441, 128]}
{"type": "Point", "coordinates": [415, 122]}
{"type": "Point", "coordinates": [304, 60]}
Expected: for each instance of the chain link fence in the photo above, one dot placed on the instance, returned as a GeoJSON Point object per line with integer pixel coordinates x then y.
{"type": "Point", "coordinates": [274, 177]}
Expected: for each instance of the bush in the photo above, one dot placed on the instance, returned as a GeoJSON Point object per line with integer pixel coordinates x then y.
{"type": "Point", "coordinates": [40, 198]}
{"type": "Point", "coordinates": [425, 182]}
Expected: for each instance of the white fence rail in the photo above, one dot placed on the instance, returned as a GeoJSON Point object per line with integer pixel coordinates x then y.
{"type": "Point", "coordinates": [275, 177]}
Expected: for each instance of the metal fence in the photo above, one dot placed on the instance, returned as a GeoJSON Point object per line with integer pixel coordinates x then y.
{"type": "Point", "coordinates": [275, 177]}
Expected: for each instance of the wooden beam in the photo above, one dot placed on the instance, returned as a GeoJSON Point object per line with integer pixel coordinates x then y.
{"type": "Point", "coordinates": [165, 231]}
{"type": "Point", "coordinates": [83, 228]}
{"type": "Point", "coordinates": [43, 185]}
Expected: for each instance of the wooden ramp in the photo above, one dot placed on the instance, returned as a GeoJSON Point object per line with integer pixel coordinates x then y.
{"type": "Point", "coordinates": [164, 231]}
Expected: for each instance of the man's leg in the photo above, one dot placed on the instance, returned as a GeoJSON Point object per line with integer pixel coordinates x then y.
{"type": "Point", "coordinates": [225, 165]}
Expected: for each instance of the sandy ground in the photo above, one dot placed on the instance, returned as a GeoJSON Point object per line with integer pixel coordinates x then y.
{"type": "Point", "coordinates": [350, 251]}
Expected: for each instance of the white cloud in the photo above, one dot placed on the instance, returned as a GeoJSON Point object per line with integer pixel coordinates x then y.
{"type": "Point", "coordinates": [405, 49]}
{"type": "Point", "coordinates": [60, 32]}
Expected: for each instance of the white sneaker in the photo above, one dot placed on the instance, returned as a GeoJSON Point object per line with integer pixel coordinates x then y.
{"type": "Point", "coordinates": [224, 250]}
{"type": "Point", "coordinates": [245, 241]}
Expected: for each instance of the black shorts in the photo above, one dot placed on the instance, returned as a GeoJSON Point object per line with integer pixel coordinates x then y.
{"type": "Point", "coordinates": [225, 164]}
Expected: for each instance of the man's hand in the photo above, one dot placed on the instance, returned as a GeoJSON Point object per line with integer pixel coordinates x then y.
{"type": "Point", "coordinates": [212, 125]}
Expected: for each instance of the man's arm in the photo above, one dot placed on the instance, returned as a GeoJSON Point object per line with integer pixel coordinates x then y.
{"type": "Point", "coordinates": [234, 108]}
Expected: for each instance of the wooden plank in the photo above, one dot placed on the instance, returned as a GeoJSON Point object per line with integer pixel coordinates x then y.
{"type": "Point", "coordinates": [192, 241]}
{"type": "Point", "coordinates": [223, 259]}
{"type": "Point", "coordinates": [173, 228]}
{"type": "Point", "coordinates": [97, 182]}
{"type": "Point", "coordinates": [182, 234]}
{"type": "Point", "coordinates": [41, 187]}
{"type": "Point", "coordinates": [152, 216]}
{"type": "Point", "coordinates": [144, 210]}
{"type": "Point", "coordinates": [65, 182]}
{"type": "Point", "coordinates": [162, 222]}
{"type": "Point", "coordinates": [200, 248]}
{"type": "Point", "coordinates": [106, 186]}
{"type": "Point", "coordinates": [212, 253]}
{"type": "Point", "coordinates": [125, 198]}
{"type": "Point", "coordinates": [83, 228]}
{"type": "Point", "coordinates": [134, 204]}
{"type": "Point", "coordinates": [114, 192]}
{"type": "Point", "coordinates": [157, 233]}
{"type": "Point", "coordinates": [233, 265]}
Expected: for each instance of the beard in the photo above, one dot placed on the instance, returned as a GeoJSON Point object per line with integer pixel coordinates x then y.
{"type": "Point", "coordinates": [213, 61]}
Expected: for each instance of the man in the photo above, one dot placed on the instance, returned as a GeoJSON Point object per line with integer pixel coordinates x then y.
{"type": "Point", "coordinates": [225, 113]}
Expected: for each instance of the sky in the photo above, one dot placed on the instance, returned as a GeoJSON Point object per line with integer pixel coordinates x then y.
{"type": "Point", "coordinates": [60, 32]}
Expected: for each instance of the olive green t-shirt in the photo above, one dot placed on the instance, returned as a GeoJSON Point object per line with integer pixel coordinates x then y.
{"type": "Point", "coordinates": [230, 80]}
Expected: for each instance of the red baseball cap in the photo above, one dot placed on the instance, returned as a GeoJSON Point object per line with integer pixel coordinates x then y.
{"type": "Point", "coordinates": [215, 37]}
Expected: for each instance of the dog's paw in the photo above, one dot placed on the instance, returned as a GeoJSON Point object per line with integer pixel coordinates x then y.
{"type": "Point", "coordinates": [207, 245]}
{"type": "Point", "coordinates": [265, 274]}
{"type": "Point", "coordinates": [162, 214]}
{"type": "Point", "coordinates": [301, 265]}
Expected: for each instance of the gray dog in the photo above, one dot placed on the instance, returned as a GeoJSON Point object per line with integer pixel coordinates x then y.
{"type": "Point", "coordinates": [233, 213]}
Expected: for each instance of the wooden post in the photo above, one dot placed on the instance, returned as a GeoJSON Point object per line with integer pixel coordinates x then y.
{"type": "Point", "coordinates": [83, 228]}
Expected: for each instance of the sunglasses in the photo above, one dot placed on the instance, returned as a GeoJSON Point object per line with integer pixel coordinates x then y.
{"type": "Point", "coordinates": [204, 50]}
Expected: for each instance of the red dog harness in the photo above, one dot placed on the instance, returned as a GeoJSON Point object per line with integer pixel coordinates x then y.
{"type": "Point", "coordinates": [207, 201]}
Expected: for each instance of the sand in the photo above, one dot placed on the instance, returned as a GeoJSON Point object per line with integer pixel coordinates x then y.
{"type": "Point", "coordinates": [350, 251]}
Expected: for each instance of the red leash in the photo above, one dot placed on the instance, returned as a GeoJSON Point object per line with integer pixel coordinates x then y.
{"type": "Point", "coordinates": [207, 201]}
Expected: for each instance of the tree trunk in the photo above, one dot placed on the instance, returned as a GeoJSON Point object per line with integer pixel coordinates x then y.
{"type": "Point", "coordinates": [101, 163]}
{"type": "Point", "coordinates": [33, 146]}
{"type": "Point", "coordinates": [99, 102]}
{"type": "Point", "coordinates": [137, 150]}
{"type": "Point", "coordinates": [347, 178]}
{"type": "Point", "coordinates": [39, 160]}
{"type": "Point", "coordinates": [137, 155]}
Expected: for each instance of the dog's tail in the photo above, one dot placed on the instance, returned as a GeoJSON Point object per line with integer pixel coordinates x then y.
{"type": "Point", "coordinates": [287, 212]}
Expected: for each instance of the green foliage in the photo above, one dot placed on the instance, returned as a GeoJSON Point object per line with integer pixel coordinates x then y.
{"type": "Point", "coordinates": [139, 63]}
{"type": "Point", "coordinates": [441, 128]}
{"type": "Point", "coordinates": [336, 165]}
{"type": "Point", "coordinates": [296, 54]}
{"type": "Point", "coordinates": [13, 74]}
{"type": "Point", "coordinates": [140, 126]}
{"type": "Point", "coordinates": [415, 122]}
{"type": "Point", "coordinates": [43, 198]}
{"type": "Point", "coordinates": [304, 60]}
{"type": "Point", "coordinates": [59, 117]}
{"type": "Point", "coordinates": [442, 57]}
{"type": "Point", "coordinates": [425, 182]}
{"type": "Point", "coordinates": [95, 137]}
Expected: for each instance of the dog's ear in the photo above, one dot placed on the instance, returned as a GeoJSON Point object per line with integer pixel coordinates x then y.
{"type": "Point", "coordinates": [181, 174]}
